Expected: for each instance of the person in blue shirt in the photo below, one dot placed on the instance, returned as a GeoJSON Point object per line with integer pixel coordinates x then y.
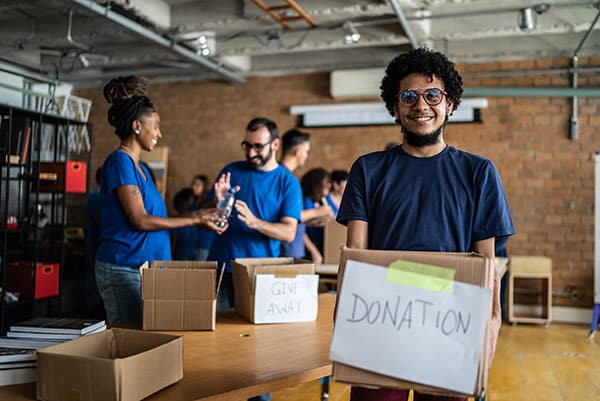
{"type": "Point", "coordinates": [315, 187]}
{"type": "Point", "coordinates": [338, 178]}
{"type": "Point", "coordinates": [92, 301]}
{"type": "Point", "coordinates": [134, 225]}
{"type": "Point", "coordinates": [267, 207]}
{"type": "Point", "coordinates": [294, 149]}
{"type": "Point", "coordinates": [183, 239]}
{"type": "Point", "coordinates": [204, 237]}
{"type": "Point", "coordinates": [423, 195]}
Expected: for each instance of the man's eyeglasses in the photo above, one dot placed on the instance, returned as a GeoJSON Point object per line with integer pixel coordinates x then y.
{"type": "Point", "coordinates": [257, 146]}
{"type": "Point", "coordinates": [432, 96]}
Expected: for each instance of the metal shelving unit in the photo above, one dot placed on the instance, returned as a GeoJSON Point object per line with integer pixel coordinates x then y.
{"type": "Point", "coordinates": [34, 204]}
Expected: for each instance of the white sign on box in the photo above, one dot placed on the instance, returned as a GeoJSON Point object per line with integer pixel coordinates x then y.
{"type": "Point", "coordinates": [286, 299]}
{"type": "Point", "coordinates": [424, 336]}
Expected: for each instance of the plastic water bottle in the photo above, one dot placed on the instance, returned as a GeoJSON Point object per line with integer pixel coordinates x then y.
{"type": "Point", "coordinates": [225, 207]}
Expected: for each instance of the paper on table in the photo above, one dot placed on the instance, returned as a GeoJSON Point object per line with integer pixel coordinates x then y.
{"type": "Point", "coordinates": [284, 299]}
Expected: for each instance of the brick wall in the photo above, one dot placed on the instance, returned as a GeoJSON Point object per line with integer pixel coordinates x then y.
{"type": "Point", "coordinates": [548, 178]}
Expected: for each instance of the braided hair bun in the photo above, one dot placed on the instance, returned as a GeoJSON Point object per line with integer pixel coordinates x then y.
{"type": "Point", "coordinates": [129, 101]}
{"type": "Point", "coordinates": [126, 87]}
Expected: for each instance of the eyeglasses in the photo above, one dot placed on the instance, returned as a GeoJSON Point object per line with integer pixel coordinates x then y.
{"type": "Point", "coordinates": [432, 96]}
{"type": "Point", "coordinates": [257, 146]}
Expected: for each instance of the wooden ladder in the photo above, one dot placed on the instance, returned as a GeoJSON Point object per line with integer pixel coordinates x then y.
{"type": "Point", "coordinates": [282, 19]}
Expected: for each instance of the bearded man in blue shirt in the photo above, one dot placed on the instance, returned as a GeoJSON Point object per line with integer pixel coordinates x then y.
{"type": "Point", "coordinates": [423, 195]}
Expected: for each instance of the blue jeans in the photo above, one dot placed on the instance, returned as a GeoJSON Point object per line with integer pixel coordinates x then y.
{"type": "Point", "coordinates": [225, 298]}
{"type": "Point", "coordinates": [121, 291]}
{"type": "Point", "coordinates": [262, 397]}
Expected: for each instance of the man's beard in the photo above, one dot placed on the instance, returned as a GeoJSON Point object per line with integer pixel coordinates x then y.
{"type": "Point", "coordinates": [263, 160]}
{"type": "Point", "coordinates": [418, 140]}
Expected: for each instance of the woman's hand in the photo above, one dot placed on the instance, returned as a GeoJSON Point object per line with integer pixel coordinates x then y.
{"type": "Point", "coordinates": [207, 218]}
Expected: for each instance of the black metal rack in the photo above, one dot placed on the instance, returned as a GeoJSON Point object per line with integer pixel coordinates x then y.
{"type": "Point", "coordinates": [38, 234]}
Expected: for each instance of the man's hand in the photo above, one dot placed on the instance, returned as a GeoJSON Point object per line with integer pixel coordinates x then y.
{"type": "Point", "coordinates": [222, 186]}
{"type": "Point", "coordinates": [245, 215]}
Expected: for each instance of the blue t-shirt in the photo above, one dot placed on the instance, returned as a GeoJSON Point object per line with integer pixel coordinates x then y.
{"type": "Point", "coordinates": [92, 224]}
{"type": "Point", "coordinates": [270, 195]}
{"type": "Point", "coordinates": [441, 203]}
{"type": "Point", "coordinates": [120, 243]}
{"type": "Point", "coordinates": [315, 234]}
{"type": "Point", "coordinates": [203, 238]}
{"type": "Point", "coordinates": [185, 243]}
{"type": "Point", "coordinates": [295, 249]}
{"type": "Point", "coordinates": [332, 204]}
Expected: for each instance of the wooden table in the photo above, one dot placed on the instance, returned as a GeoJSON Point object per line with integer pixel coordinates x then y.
{"type": "Point", "coordinates": [240, 360]}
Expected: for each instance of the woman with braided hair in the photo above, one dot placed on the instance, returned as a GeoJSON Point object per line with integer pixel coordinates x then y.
{"type": "Point", "coordinates": [134, 223]}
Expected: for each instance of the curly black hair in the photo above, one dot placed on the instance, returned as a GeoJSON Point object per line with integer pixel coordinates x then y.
{"type": "Point", "coordinates": [422, 61]}
{"type": "Point", "coordinates": [129, 101]}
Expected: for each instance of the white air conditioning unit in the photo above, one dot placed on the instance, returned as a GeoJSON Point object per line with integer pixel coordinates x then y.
{"type": "Point", "coordinates": [356, 83]}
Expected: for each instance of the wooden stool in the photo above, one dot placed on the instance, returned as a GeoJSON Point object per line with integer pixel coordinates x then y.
{"type": "Point", "coordinates": [531, 267]}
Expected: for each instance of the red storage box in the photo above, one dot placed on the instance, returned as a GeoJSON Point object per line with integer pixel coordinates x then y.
{"type": "Point", "coordinates": [19, 278]}
{"type": "Point", "coordinates": [76, 177]}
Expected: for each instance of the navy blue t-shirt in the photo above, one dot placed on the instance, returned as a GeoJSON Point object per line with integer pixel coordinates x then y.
{"type": "Point", "coordinates": [441, 203]}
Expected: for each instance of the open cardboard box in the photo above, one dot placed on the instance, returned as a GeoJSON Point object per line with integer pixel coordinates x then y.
{"type": "Point", "coordinates": [470, 268]}
{"type": "Point", "coordinates": [291, 292]}
{"type": "Point", "coordinates": [334, 239]}
{"type": "Point", "coordinates": [114, 365]}
{"type": "Point", "coordinates": [179, 295]}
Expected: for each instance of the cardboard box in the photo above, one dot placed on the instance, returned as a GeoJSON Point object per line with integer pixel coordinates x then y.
{"type": "Point", "coordinates": [20, 278]}
{"type": "Point", "coordinates": [275, 290]}
{"type": "Point", "coordinates": [114, 365]}
{"type": "Point", "coordinates": [334, 240]}
{"type": "Point", "coordinates": [179, 295]}
{"type": "Point", "coordinates": [470, 268]}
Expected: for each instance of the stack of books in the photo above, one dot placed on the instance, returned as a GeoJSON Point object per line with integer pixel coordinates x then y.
{"type": "Point", "coordinates": [17, 366]}
{"type": "Point", "coordinates": [17, 349]}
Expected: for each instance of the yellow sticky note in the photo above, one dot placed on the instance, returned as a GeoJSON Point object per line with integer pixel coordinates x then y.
{"type": "Point", "coordinates": [420, 275]}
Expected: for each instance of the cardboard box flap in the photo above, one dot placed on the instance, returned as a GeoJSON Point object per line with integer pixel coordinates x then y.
{"type": "Point", "coordinates": [180, 280]}
{"type": "Point", "coordinates": [471, 264]}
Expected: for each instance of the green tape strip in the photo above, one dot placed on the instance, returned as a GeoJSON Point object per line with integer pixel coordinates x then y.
{"type": "Point", "coordinates": [428, 277]}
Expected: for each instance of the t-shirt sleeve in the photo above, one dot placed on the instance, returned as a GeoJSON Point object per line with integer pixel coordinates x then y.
{"type": "Point", "coordinates": [492, 217]}
{"type": "Point", "coordinates": [354, 202]}
{"type": "Point", "coordinates": [119, 170]}
{"type": "Point", "coordinates": [291, 204]}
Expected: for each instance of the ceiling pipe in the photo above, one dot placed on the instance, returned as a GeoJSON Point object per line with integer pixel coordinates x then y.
{"type": "Point", "coordinates": [530, 92]}
{"type": "Point", "coordinates": [574, 132]}
{"type": "Point", "coordinates": [404, 23]}
{"type": "Point", "coordinates": [72, 42]}
{"type": "Point", "coordinates": [159, 39]}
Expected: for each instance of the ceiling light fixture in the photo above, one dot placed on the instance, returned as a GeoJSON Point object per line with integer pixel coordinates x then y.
{"type": "Point", "coordinates": [526, 19]}
{"type": "Point", "coordinates": [352, 35]}
{"type": "Point", "coordinates": [83, 60]}
{"type": "Point", "coordinates": [202, 46]}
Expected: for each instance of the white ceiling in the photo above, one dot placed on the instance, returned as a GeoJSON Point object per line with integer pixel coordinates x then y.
{"type": "Point", "coordinates": [245, 41]}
